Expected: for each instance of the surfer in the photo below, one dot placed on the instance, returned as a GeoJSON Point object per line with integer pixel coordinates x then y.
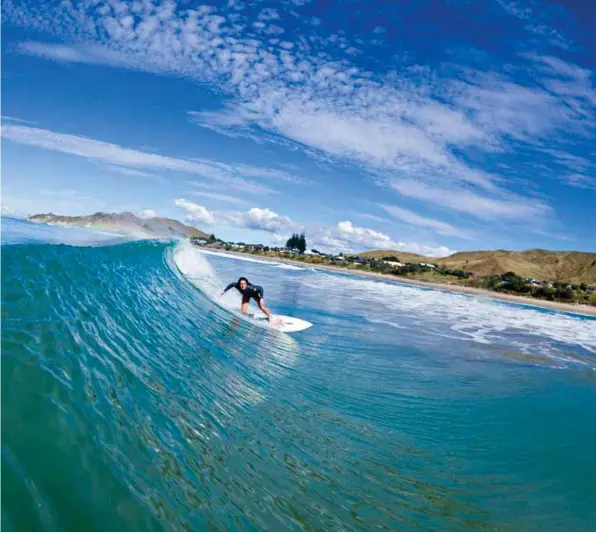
{"type": "Point", "coordinates": [248, 291]}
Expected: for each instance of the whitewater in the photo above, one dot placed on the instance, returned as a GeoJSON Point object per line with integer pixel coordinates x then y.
{"type": "Point", "coordinates": [133, 399]}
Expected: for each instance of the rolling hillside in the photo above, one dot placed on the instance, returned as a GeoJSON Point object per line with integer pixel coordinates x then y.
{"type": "Point", "coordinates": [571, 267]}
{"type": "Point", "coordinates": [125, 223]}
{"type": "Point", "coordinates": [402, 256]}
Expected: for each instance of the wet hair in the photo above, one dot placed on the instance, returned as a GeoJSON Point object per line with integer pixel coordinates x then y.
{"type": "Point", "coordinates": [243, 279]}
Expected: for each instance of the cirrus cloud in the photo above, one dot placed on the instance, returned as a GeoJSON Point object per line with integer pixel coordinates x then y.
{"type": "Point", "coordinates": [128, 161]}
{"type": "Point", "coordinates": [442, 228]}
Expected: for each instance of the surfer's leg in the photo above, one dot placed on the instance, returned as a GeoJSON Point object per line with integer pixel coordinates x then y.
{"type": "Point", "coordinates": [262, 307]}
{"type": "Point", "coordinates": [245, 302]}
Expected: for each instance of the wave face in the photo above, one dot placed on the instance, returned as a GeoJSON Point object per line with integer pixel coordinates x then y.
{"type": "Point", "coordinates": [132, 401]}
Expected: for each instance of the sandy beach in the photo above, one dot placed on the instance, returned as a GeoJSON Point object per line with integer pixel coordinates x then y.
{"type": "Point", "coordinates": [522, 300]}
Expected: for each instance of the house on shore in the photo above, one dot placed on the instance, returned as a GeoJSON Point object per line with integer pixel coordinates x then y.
{"type": "Point", "coordinates": [591, 288]}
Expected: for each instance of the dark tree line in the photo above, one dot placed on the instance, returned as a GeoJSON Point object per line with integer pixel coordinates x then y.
{"type": "Point", "coordinates": [297, 242]}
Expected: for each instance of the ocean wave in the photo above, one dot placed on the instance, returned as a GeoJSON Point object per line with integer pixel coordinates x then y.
{"type": "Point", "coordinates": [18, 231]}
{"type": "Point", "coordinates": [149, 400]}
{"type": "Point", "coordinates": [194, 266]}
{"type": "Point", "coordinates": [478, 319]}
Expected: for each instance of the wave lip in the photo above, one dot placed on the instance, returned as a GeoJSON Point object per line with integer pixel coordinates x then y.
{"type": "Point", "coordinates": [195, 268]}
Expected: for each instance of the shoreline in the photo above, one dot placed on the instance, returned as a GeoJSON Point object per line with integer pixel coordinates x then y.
{"type": "Point", "coordinates": [577, 309]}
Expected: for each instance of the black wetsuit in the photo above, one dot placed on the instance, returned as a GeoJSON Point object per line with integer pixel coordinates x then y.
{"type": "Point", "coordinates": [251, 291]}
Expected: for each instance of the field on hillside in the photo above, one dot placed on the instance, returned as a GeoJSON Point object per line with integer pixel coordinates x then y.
{"type": "Point", "coordinates": [570, 267]}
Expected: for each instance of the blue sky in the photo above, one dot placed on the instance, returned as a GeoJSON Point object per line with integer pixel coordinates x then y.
{"type": "Point", "coordinates": [427, 126]}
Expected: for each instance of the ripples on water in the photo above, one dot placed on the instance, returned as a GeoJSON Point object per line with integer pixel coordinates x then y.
{"type": "Point", "coordinates": [131, 401]}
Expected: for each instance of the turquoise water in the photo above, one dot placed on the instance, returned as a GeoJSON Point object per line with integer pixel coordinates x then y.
{"type": "Point", "coordinates": [130, 400]}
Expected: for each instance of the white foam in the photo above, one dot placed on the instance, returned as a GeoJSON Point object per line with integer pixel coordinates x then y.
{"type": "Point", "coordinates": [285, 266]}
{"type": "Point", "coordinates": [437, 313]}
{"type": "Point", "coordinates": [195, 267]}
{"type": "Point", "coordinates": [477, 318]}
{"type": "Point", "coordinates": [232, 256]}
{"type": "Point", "coordinates": [274, 264]}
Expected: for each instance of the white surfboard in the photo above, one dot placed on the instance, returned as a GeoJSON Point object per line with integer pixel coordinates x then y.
{"type": "Point", "coordinates": [287, 324]}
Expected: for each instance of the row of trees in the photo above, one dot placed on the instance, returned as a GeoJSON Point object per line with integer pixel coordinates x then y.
{"type": "Point", "coordinates": [511, 282]}
{"type": "Point", "coordinates": [381, 265]}
{"type": "Point", "coordinates": [297, 242]}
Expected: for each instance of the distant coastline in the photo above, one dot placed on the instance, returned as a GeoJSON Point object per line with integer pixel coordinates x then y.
{"type": "Point", "coordinates": [487, 274]}
{"type": "Point", "coordinates": [579, 309]}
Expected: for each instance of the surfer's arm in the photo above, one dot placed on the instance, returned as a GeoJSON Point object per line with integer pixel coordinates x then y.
{"type": "Point", "coordinates": [228, 288]}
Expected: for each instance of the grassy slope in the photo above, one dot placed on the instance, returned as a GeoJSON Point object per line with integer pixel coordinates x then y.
{"type": "Point", "coordinates": [404, 257]}
{"type": "Point", "coordinates": [572, 267]}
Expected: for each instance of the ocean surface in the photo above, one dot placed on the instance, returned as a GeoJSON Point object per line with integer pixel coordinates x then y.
{"type": "Point", "coordinates": [133, 400]}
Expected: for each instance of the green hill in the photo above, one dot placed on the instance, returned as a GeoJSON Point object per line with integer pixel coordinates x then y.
{"type": "Point", "coordinates": [127, 223]}
{"type": "Point", "coordinates": [570, 267]}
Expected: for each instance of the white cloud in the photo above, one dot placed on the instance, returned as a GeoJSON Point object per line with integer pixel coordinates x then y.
{"type": "Point", "coordinates": [196, 212]}
{"type": "Point", "coordinates": [255, 218]}
{"type": "Point", "coordinates": [204, 185]}
{"type": "Point", "coordinates": [367, 237]}
{"type": "Point", "coordinates": [376, 218]}
{"type": "Point", "coordinates": [219, 197]}
{"type": "Point", "coordinates": [343, 237]}
{"type": "Point", "coordinates": [268, 14]}
{"type": "Point", "coordinates": [6, 210]}
{"type": "Point", "coordinates": [15, 119]}
{"type": "Point", "coordinates": [267, 173]}
{"type": "Point", "coordinates": [148, 213]}
{"type": "Point", "coordinates": [414, 219]}
{"type": "Point", "coordinates": [472, 203]}
{"type": "Point", "coordinates": [129, 171]}
{"type": "Point", "coordinates": [126, 160]}
{"type": "Point", "coordinates": [346, 237]}
{"type": "Point", "coordinates": [514, 8]}
{"type": "Point", "coordinates": [581, 181]}
{"type": "Point", "coordinates": [99, 150]}
{"type": "Point", "coordinates": [523, 12]}
{"type": "Point", "coordinates": [569, 160]}
{"type": "Point", "coordinates": [72, 54]}
{"type": "Point", "coordinates": [266, 220]}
